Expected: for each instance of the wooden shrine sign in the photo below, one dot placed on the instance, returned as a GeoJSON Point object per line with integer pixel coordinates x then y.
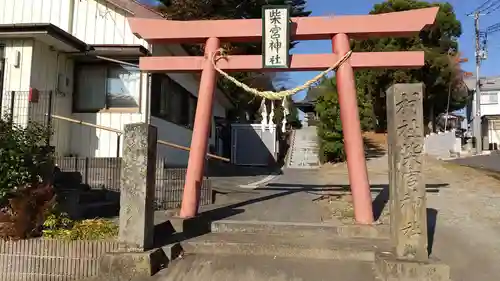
{"type": "Point", "coordinates": [276, 36]}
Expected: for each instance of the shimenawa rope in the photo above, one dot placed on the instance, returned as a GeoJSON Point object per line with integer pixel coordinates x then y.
{"type": "Point", "coordinates": [271, 95]}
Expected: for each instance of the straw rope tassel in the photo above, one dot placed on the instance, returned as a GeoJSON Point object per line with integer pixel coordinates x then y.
{"type": "Point", "coordinates": [271, 117]}
{"type": "Point", "coordinates": [263, 114]}
{"type": "Point", "coordinates": [284, 104]}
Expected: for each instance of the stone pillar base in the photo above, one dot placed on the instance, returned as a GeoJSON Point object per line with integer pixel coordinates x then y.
{"type": "Point", "coordinates": [194, 226]}
{"type": "Point", "coordinates": [125, 266]}
{"type": "Point", "coordinates": [390, 268]}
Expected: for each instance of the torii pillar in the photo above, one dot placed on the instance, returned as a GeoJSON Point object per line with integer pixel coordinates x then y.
{"type": "Point", "coordinates": [339, 29]}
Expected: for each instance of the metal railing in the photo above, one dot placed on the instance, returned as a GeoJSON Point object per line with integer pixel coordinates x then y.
{"type": "Point", "coordinates": [169, 181]}
{"type": "Point", "coordinates": [162, 142]}
{"type": "Point", "coordinates": [94, 172]}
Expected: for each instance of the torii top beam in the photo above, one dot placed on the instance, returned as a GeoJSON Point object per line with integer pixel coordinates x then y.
{"type": "Point", "coordinates": [397, 24]}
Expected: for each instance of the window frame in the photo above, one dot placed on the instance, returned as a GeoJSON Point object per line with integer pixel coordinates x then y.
{"type": "Point", "coordinates": [489, 94]}
{"type": "Point", "coordinates": [106, 108]}
{"type": "Point", "coordinates": [167, 88]}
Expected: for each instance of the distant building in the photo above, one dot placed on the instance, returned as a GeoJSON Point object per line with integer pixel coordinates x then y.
{"type": "Point", "coordinates": [307, 105]}
{"type": "Point", "coordinates": [490, 110]}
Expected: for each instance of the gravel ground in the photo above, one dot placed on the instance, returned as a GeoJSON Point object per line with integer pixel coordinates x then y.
{"type": "Point", "coordinates": [467, 232]}
{"type": "Point", "coordinates": [468, 223]}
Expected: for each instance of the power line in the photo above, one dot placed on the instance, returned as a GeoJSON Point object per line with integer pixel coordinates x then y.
{"type": "Point", "coordinates": [490, 8]}
{"type": "Point", "coordinates": [478, 9]}
{"type": "Point", "coordinates": [493, 28]}
{"type": "Point", "coordinates": [494, 8]}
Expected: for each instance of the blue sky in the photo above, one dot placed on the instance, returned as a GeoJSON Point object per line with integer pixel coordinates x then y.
{"type": "Point", "coordinates": [462, 7]}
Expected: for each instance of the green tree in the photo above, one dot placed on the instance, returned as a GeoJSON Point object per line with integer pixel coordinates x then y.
{"type": "Point", "coordinates": [330, 133]}
{"type": "Point", "coordinates": [292, 119]}
{"type": "Point", "coordinates": [25, 166]}
{"type": "Point", "coordinates": [440, 73]}
{"type": "Point", "coordinates": [232, 9]}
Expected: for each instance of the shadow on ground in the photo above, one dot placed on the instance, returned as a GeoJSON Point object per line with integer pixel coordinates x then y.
{"type": "Point", "coordinates": [382, 199]}
{"type": "Point", "coordinates": [200, 225]}
{"type": "Point", "coordinates": [372, 149]}
{"type": "Point", "coordinates": [220, 169]}
{"type": "Point", "coordinates": [380, 202]}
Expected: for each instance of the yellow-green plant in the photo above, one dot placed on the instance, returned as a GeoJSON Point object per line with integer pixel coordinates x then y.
{"type": "Point", "coordinates": [60, 226]}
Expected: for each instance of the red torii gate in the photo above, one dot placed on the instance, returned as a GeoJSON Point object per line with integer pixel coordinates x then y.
{"type": "Point", "coordinates": [339, 29]}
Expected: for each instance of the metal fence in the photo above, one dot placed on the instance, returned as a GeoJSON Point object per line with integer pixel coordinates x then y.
{"type": "Point", "coordinates": [104, 173]}
{"type": "Point", "coordinates": [22, 107]}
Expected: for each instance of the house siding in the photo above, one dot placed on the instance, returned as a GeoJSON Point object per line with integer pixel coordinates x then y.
{"type": "Point", "coordinates": [170, 132]}
{"type": "Point", "coordinates": [99, 22]}
{"type": "Point", "coordinates": [491, 131]}
{"type": "Point", "coordinates": [35, 11]}
{"type": "Point", "coordinates": [94, 22]}
{"type": "Point", "coordinates": [17, 78]}
{"type": "Point", "coordinates": [52, 73]}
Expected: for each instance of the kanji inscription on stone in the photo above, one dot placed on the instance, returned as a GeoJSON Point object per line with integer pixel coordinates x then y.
{"type": "Point", "coordinates": [407, 187]}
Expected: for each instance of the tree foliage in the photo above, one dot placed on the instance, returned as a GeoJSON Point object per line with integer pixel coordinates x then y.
{"type": "Point", "coordinates": [330, 133]}
{"type": "Point", "coordinates": [440, 74]}
{"type": "Point", "coordinates": [233, 9]}
{"type": "Point", "coordinates": [292, 119]}
{"type": "Point", "coordinates": [25, 167]}
{"type": "Point", "coordinates": [23, 156]}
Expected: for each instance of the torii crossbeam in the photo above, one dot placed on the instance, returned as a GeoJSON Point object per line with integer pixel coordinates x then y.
{"type": "Point", "coordinates": [339, 29]}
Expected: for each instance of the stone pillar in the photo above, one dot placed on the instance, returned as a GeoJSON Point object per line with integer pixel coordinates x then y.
{"type": "Point", "coordinates": [137, 257]}
{"type": "Point", "coordinates": [137, 186]}
{"type": "Point", "coordinates": [408, 259]}
{"type": "Point", "coordinates": [406, 131]}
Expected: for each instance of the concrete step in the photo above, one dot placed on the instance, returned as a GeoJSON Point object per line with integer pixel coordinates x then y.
{"type": "Point", "coordinates": [300, 229]}
{"type": "Point", "coordinates": [244, 268]}
{"type": "Point", "coordinates": [98, 210]}
{"type": "Point", "coordinates": [92, 196]}
{"type": "Point", "coordinates": [290, 246]}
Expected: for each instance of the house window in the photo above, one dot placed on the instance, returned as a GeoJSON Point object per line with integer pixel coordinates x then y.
{"type": "Point", "coordinates": [172, 102]}
{"type": "Point", "coordinates": [106, 86]}
{"type": "Point", "coordinates": [489, 98]}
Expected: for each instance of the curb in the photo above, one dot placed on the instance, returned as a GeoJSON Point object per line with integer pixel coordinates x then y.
{"type": "Point", "coordinates": [256, 184]}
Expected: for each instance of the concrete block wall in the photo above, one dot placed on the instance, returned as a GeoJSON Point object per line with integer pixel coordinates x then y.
{"type": "Point", "coordinates": [442, 144]}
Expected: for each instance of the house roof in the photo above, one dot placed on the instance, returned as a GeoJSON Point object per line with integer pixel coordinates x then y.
{"type": "Point", "coordinates": [487, 83]}
{"type": "Point", "coordinates": [46, 32]}
{"type": "Point", "coordinates": [136, 8]}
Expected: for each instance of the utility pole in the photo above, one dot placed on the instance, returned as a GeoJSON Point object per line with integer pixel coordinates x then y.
{"type": "Point", "coordinates": [477, 112]}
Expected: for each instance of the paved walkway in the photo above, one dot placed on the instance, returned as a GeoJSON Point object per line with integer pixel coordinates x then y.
{"type": "Point", "coordinates": [290, 254]}
{"type": "Point", "coordinates": [275, 201]}
{"type": "Point", "coordinates": [464, 216]}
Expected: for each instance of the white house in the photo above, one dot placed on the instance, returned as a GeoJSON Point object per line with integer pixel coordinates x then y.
{"type": "Point", "coordinates": [68, 50]}
{"type": "Point", "coordinates": [490, 110]}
